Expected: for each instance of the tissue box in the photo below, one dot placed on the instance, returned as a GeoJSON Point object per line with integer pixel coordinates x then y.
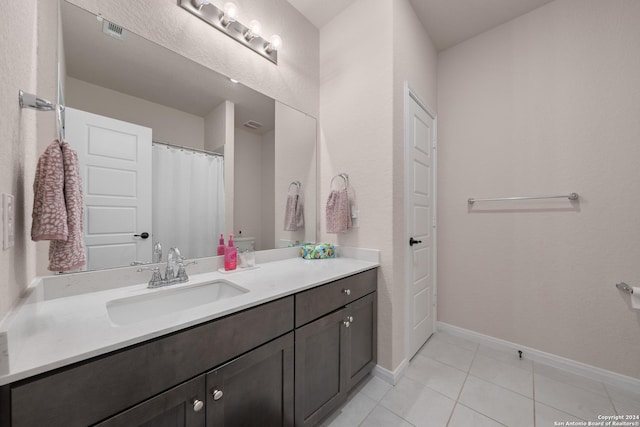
{"type": "Point", "coordinates": [317, 251]}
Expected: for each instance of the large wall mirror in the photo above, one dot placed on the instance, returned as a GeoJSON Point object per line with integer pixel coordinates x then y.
{"type": "Point", "coordinates": [175, 150]}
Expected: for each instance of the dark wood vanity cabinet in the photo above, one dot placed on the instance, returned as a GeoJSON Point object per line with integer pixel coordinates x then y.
{"type": "Point", "coordinates": [181, 406]}
{"type": "Point", "coordinates": [255, 389]}
{"type": "Point", "coordinates": [335, 351]}
{"type": "Point", "coordinates": [287, 362]}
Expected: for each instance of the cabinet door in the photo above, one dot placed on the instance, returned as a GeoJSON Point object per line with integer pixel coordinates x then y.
{"type": "Point", "coordinates": [320, 362]}
{"type": "Point", "coordinates": [181, 406]}
{"type": "Point", "coordinates": [255, 389]}
{"type": "Point", "coordinates": [362, 345]}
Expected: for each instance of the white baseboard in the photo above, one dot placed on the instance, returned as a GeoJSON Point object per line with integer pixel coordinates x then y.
{"type": "Point", "coordinates": [579, 368]}
{"type": "Point", "coordinates": [390, 377]}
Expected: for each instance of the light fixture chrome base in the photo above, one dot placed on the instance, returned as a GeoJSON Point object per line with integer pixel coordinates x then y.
{"type": "Point", "coordinates": [211, 15]}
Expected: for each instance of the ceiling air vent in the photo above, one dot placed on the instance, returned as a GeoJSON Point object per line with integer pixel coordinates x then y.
{"type": "Point", "coordinates": [114, 30]}
{"type": "Point", "coordinates": [252, 124]}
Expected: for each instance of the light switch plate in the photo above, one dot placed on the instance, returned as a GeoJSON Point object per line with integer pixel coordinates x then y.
{"type": "Point", "coordinates": [8, 220]}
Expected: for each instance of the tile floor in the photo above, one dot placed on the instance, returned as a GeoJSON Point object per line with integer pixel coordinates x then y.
{"type": "Point", "coordinates": [457, 383]}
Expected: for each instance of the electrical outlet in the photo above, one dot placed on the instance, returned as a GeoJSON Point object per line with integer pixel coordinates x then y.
{"type": "Point", "coordinates": [8, 220]}
{"type": "Point", "coordinates": [355, 218]}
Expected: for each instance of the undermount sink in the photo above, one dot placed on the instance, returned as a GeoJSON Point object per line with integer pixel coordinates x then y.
{"type": "Point", "coordinates": [163, 301]}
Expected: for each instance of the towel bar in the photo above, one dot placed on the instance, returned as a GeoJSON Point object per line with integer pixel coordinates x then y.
{"type": "Point", "coordinates": [571, 196]}
{"type": "Point", "coordinates": [624, 287]}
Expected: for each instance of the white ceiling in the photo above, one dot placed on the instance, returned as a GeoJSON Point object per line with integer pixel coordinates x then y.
{"type": "Point", "coordinates": [448, 22]}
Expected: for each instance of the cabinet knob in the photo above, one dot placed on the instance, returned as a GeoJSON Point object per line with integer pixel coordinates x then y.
{"type": "Point", "coordinates": [350, 318]}
{"type": "Point", "coordinates": [346, 323]}
{"type": "Point", "coordinates": [198, 405]}
{"type": "Point", "coordinates": [347, 291]}
{"type": "Point", "coordinates": [217, 394]}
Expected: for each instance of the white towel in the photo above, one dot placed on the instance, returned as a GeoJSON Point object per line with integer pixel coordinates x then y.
{"type": "Point", "coordinates": [338, 211]}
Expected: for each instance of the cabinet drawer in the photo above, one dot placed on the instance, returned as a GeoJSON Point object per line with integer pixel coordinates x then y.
{"type": "Point", "coordinates": [94, 390]}
{"type": "Point", "coordinates": [321, 300]}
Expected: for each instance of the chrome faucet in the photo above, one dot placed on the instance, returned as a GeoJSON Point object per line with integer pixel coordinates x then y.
{"type": "Point", "coordinates": [157, 253]}
{"type": "Point", "coordinates": [174, 259]}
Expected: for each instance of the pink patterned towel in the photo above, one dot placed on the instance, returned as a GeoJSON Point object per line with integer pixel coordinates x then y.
{"type": "Point", "coordinates": [58, 206]}
{"type": "Point", "coordinates": [49, 217]}
{"type": "Point", "coordinates": [294, 213]}
{"type": "Point", "coordinates": [338, 211]}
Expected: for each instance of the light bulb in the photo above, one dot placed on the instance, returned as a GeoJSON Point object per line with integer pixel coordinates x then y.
{"type": "Point", "coordinates": [275, 43]}
{"type": "Point", "coordinates": [255, 30]}
{"type": "Point", "coordinates": [199, 3]}
{"type": "Point", "coordinates": [230, 14]}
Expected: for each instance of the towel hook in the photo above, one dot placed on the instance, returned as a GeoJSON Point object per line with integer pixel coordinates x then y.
{"type": "Point", "coordinates": [297, 184]}
{"type": "Point", "coordinates": [344, 176]}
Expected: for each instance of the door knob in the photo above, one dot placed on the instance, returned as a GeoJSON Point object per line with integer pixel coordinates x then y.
{"type": "Point", "coordinates": [217, 394]}
{"type": "Point", "coordinates": [143, 235]}
{"type": "Point", "coordinates": [197, 405]}
{"type": "Point", "coordinates": [413, 241]}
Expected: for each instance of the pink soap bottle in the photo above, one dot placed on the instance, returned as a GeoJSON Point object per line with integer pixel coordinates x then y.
{"type": "Point", "coordinates": [221, 245]}
{"type": "Point", "coordinates": [230, 255]}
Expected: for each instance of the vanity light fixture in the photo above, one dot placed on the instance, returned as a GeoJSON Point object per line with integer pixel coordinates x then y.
{"type": "Point", "coordinates": [225, 20]}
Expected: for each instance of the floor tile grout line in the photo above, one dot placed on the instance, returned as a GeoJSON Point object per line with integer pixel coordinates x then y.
{"type": "Point", "coordinates": [565, 371]}
{"type": "Point", "coordinates": [550, 406]}
{"type": "Point", "coordinates": [613, 405]}
{"type": "Point", "coordinates": [480, 413]}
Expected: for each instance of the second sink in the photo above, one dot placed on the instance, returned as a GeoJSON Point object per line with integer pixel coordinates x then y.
{"type": "Point", "coordinates": [124, 311]}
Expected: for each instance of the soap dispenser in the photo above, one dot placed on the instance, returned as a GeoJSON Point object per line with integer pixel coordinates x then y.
{"type": "Point", "coordinates": [230, 255]}
{"type": "Point", "coordinates": [221, 245]}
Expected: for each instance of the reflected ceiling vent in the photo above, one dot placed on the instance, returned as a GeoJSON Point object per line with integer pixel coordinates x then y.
{"type": "Point", "coordinates": [113, 30]}
{"type": "Point", "coordinates": [252, 124]}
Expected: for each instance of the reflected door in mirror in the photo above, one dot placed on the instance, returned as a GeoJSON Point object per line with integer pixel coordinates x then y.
{"type": "Point", "coordinates": [115, 160]}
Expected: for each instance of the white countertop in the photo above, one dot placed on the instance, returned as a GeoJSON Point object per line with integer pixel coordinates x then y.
{"type": "Point", "coordinates": [44, 334]}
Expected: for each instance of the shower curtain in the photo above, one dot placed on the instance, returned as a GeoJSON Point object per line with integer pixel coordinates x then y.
{"type": "Point", "coordinates": [188, 200]}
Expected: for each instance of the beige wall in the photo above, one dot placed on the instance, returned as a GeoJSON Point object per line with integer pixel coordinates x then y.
{"type": "Point", "coordinates": [362, 73]}
{"type": "Point", "coordinates": [268, 188]}
{"type": "Point", "coordinates": [248, 209]}
{"type": "Point", "coordinates": [546, 104]}
{"type": "Point", "coordinates": [168, 124]}
{"type": "Point", "coordinates": [23, 132]}
{"type": "Point", "coordinates": [356, 128]}
{"type": "Point", "coordinates": [295, 138]}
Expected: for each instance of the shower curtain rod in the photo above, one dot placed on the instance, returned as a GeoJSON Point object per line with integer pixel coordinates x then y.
{"type": "Point", "coordinates": [182, 147]}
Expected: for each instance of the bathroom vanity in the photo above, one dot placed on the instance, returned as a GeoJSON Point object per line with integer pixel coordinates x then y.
{"type": "Point", "coordinates": [288, 359]}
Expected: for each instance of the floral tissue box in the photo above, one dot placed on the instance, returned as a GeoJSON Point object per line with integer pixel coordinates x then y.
{"type": "Point", "coordinates": [317, 251]}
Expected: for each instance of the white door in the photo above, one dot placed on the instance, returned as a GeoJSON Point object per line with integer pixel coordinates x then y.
{"type": "Point", "coordinates": [420, 220]}
{"type": "Point", "coordinates": [115, 163]}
